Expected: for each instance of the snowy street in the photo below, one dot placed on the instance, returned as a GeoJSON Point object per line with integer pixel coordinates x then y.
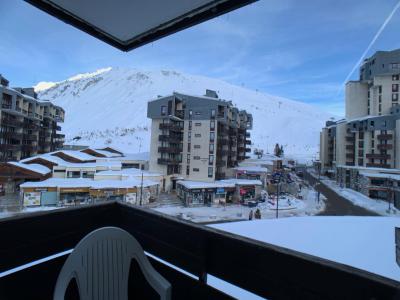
{"type": "Point", "coordinates": [345, 201]}
{"type": "Point", "coordinates": [288, 207]}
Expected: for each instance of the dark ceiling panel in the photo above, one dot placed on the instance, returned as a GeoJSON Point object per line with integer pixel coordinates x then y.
{"type": "Point", "coordinates": [128, 24]}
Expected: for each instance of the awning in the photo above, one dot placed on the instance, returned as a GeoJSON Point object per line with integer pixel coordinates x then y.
{"type": "Point", "coordinates": [128, 24]}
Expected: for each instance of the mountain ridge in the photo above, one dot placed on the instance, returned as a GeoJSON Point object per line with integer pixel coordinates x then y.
{"type": "Point", "coordinates": [108, 107]}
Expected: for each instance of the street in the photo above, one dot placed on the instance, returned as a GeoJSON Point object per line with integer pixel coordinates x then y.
{"type": "Point", "coordinates": [335, 204]}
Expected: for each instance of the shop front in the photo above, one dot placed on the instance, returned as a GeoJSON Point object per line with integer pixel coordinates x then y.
{"type": "Point", "coordinates": [74, 196]}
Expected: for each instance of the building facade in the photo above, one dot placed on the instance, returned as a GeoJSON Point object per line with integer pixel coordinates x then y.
{"type": "Point", "coordinates": [369, 136]}
{"type": "Point", "coordinates": [197, 138]}
{"type": "Point", "coordinates": [28, 126]}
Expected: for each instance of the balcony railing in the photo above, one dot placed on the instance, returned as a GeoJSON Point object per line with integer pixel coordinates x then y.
{"type": "Point", "coordinates": [169, 150]}
{"type": "Point", "coordinates": [168, 161]}
{"type": "Point", "coordinates": [170, 126]}
{"type": "Point", "coordinates": [169, 138]}
{"type": "Point", "coordinates": [377, 156]}
{"type": "Point", "coordinates": [11, 135]}
{"type": "Point", "coordinates": [28, 147]}
{"type": "Point", "coordinates": [350, 138]}
{"type": "Point", "coordinates": [385, 136]}
{"type": "Point", "coordinates": [10, 122]}
{"type": "Point", "coordinates": [350, 147]}
{"type": "Point", "coordinates": [349, 155]}
{"type": "Point", "coordinates": [30, 137]}
{"type": "Point", "coordinates": [10, 147]}
{"type": "Point", "coordinates": [385, 146]}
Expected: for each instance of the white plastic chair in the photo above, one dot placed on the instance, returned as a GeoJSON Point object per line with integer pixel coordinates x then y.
{"type": "Point", "coordinates": [100, 265]}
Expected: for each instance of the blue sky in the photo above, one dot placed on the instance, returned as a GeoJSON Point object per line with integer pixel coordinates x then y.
{"type": "Point", "coordinates": [301, 50]}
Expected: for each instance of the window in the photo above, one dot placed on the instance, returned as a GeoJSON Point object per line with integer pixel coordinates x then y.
{"type": "Point", "coordinates": [211, 159]}
{"type": "Point", "coordinates": [198, 113]}
{"type": "Point", "coordinates": [395, 77]}
{"type": "Point", "coordinates": [197, 135]}
{"type": "Point", "coordinates": [372, 143]}
{"type": "Point", "coordinates": [380, 89]}
{"type": "Point", "coordinates": [212, 125]}
{"type": "Point", "coordinates": [380, 98]}
{"type": "Point", "coordinates": [189, 136]}
{"type": "Point", "coordinates": [210, 172]}
{"type": "Point", "coordinates": [189, 144]}
{"type": "Point", "coordinates": [372, 123]}
{"type": "Point", "coordinates": [395, 97]}
{"type": "Point", "coordinates": [211, 148]}
{"type": "Point", "coordinates": [395, 66]}
{"type": "Point", "coordinates": [395, 87]}
{"type": "Point", "coordinates": [187, 170]}
{"type": "Point", "coordinates": [188, 158]}
{"type": "Point", "coordinates": [196, 146]}
{"type": "Point", "coordinates": [190, 125]}
{"type": "Point", "coordinates": [197, 124]}
{"type": "Point", "coordinates": [212, 137]}
{"type": "Point", "coordinates": [379, 108]}
{"type": "Point", "coordinates": [196, 157]}
{"type": "Point", "coordinates": [163, 110]}
{"type": "Point", "coordinates": [190, 113]}
{"type": "Point", "coordinates": [196, 170]}
{"type": "Point", "coordinates": [213, 113]}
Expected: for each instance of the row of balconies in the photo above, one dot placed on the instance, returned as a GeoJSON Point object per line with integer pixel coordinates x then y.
{"type": "Point", "coordinates": [378, 165]}
{"type": "Point", "coordinates": [386, 136]}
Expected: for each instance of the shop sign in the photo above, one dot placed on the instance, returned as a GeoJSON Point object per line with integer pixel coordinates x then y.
{"type": "Point", "coordinates": [32, 199]}
{"type": "Point", "coordinates": [220, 191]}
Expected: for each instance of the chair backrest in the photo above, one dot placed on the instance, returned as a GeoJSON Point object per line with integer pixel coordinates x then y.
{"type": "Point", "coordinates": [100, 265]}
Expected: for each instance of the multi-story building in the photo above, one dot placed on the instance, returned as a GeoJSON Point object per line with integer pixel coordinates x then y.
{"type": "Point", "coordinates": [197, 137]}
{"type": "Point", "coordinates": [28, 126]}
{"type": "Point", "coordinates": [368, 138]}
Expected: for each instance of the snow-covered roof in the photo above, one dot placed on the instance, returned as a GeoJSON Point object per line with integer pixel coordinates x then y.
{"type": "Point", "coordinates": [87, 183]}
{"type": "Point", "coordinates": [62, 163]}
{"type": "Point", "coordinates": [252, 169]}
{"type": "Point", "coordinates": [103, 152]}
{"type": "Point", "coordinates": [51, 158]}
{"type": "Point", "coordinates": [77, 154]}
{"type": "Point", "coordinates": [145, 156]}
{"type": "Point", "coordinates": [204, 185]}
{"type": "Point", "coordinates": [40, 169]}
{"type": "Point", "coordinates": [242, 181]}
{"type": "Point", "coordinates": [130, 172]}
{"type": "Point", "coordinates": [366, 243]}
{"type": "Point", "coordinates": [381, 175]}
{"type": "Point", "coordinates": [105, 164]}
{"type": "Point", "coordinates": [372, 169]}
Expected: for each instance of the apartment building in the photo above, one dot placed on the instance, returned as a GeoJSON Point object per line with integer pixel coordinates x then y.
{"type": "Point", "coordinates": [28, 126]}
{"type": "Point", "coordinates": [197, 138]}
{"type": "Point", "coordinates": [368, 138]}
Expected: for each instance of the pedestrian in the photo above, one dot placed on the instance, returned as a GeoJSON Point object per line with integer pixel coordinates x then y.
{"type": "Point", "coordinates": [251, 215]}
{"type": "Point", "coordinates": [257, 214]}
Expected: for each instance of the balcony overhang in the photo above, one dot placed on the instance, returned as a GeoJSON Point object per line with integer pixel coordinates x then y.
{"type": "Point", "coordinates": [128, 24]}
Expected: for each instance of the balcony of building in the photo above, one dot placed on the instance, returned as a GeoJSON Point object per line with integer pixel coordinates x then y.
{"type": "Point", "coordinates": [11, 122]}
{"type": "Point", "coordinates": [350, 139]}
{"type": "Point", "coordinates": [377, 156]}
{"type": "Point", "coordinates": [385, 146]}
{"type": "Point", "coordinates": [169, 161]}
{"type": "Point", "coordinates": [11, 135]}
{"type": "Point", "coordinates": [180, 114]}
{"type": "Point", "coordinates": [350, 155]}
{"type": "Point", "coordinates": [171, 127]}
{"type": "Point", "coordinates": [10, 147]}
{"type": "Point", "coordinates": [170, 138]}
{"type": "Point", "coordinates": [248, 150]}
{"type": "Point", "coordinates": [29, 147]}
{"type": "Point", "coordinates": [30, 137]}
{"type": "Point", "coordinates": [169, 149]}
{"type": "Point", "coordinates": [385, 136]}
{"type": "Point", "coordinates": [350, 148]}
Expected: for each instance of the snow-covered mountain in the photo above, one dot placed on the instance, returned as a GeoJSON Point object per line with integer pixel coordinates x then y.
{"type": "Point", "coordinates": [108, 107]}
